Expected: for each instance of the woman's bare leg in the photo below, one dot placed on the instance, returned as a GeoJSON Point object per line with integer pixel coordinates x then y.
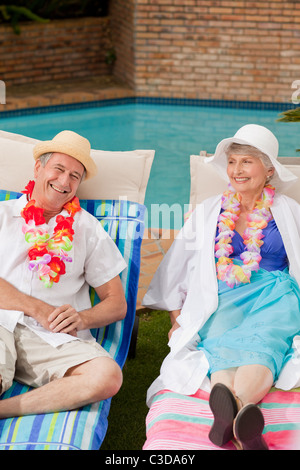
{"type": "Point", "coordinates": [252, 383]}
{"type": "Point", "coordinates": [225, 377]}
{"type": "Point", "coordinates": [249, 383]}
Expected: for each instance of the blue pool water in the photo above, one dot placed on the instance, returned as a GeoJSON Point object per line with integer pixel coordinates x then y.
{"type": "Point", "coordinates": [174, 131]}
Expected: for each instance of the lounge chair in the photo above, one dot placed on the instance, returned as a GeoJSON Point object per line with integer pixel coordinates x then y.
{"type": "Point", "coordinates": [115, 196]}
{"type": "Point", "coordinates": [183, 422]}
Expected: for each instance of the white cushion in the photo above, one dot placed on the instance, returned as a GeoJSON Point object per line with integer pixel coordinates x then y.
{"type": "Point", "coordinates": [206, 182]}
{"type": "Point", "coordinates": [121, 175]}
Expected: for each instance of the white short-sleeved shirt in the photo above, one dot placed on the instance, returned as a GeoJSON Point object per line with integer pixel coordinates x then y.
{"type": "Point", "coordinates": [95, 261]}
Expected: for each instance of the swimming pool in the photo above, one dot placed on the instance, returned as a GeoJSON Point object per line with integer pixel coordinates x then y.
{"type": "Point", "coordinates": [174, 131]}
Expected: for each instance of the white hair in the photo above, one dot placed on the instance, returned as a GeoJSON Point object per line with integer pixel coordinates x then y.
{"type": "Point", "coordinates": [249, 150]}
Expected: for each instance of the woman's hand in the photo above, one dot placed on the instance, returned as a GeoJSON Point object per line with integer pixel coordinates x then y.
{"type": "Point", "coordinates": [174, 327]}
{"type": "Point", "coordinates": [174, 314]}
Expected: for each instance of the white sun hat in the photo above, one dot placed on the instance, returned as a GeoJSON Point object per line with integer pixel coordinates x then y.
{"type": "Point", "coordinates": [262, 139]}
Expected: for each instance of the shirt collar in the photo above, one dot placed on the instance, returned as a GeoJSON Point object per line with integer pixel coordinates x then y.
{"type": "Point", "coordinates": [19, 206]}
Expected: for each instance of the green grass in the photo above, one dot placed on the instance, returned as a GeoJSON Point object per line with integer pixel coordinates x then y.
{"type": "Point", "coordinates": [126, 421]}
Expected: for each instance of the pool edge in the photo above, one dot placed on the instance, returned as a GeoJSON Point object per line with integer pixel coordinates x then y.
{"type": "Point", "coordinates": [258, 105]}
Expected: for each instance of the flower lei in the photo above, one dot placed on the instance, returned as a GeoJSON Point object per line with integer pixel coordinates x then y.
{"type": "Point", "coordinates": [47, 254]}
{"type": "Point", "coordinates": [257, 220]}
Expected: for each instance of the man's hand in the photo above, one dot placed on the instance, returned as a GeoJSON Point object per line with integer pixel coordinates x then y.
{"type": "Point", "coordinates": [65, 319]}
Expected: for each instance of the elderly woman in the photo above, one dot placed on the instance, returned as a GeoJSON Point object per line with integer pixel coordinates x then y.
{"type": "Point", "coordinates": [233, 292]}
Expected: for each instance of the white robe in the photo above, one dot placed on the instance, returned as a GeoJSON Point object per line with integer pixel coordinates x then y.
{"type": "Point", "coordinates": [186, 280]}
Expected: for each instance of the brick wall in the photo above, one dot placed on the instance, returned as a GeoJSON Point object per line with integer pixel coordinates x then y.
{"type": "Point", "coordinates": [61, 49]}
{"type": "Point", "coordinates": [222, 49]}
{"type": "Point", "coordinates": [122, 20]}
{"type": "Point", "coordinates": [226, 49]}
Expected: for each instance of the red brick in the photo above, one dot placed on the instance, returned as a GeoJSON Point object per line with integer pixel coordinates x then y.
{"type": "Point", "coordinates": [225, 49]}
{"type": "Point", "coordinates": [197, 46]}
{"type": "Point", "coordinates": [47, 51]}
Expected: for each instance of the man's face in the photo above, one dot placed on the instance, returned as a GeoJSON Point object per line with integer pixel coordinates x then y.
{"type": "Point", "coordinates": [57, 182]}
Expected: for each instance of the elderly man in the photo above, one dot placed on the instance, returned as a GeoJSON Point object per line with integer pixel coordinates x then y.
{"type": "Point", "coordinates": [51, 251]}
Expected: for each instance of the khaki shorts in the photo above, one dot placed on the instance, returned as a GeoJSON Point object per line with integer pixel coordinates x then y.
{"type": "Point", "coordinates": [30, 360]}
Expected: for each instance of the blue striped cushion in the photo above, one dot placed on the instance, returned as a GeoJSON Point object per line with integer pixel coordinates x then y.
{"type": "Point", "coordinates": [86, 428]}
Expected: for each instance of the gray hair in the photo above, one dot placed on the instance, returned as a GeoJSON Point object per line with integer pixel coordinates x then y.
{"type": "Point", "coordinates": [45, 157]}
{"type": "Point", "coordinates": [249, 150]}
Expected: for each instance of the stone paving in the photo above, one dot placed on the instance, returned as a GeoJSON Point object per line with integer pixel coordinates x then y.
{"type": "Point", "coordinates": [154, 247]}
{"type": "Point", "coordinates": [33, 95]}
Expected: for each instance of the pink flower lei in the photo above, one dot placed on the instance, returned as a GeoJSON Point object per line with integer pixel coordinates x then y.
{"type": "Point", "coordinates": [257, 220]}
{"type": "Point", "coordinates": [47, 255]}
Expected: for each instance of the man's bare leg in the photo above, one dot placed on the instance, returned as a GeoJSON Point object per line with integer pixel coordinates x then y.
{"type": "Point", "coordinates": [86, 383]}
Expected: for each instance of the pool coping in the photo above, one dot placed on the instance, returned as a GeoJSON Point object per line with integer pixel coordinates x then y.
{"type": "Point", "coordinates": [258, 105]}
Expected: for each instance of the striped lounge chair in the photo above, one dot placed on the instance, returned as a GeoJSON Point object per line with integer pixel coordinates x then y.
{"type": "Point", "coordinates": [181, 422]}
{"type": "Point", "coordinates": [85, 428]}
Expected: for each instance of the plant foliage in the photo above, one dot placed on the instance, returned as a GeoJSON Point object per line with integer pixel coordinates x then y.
{"type": "Point", "coordinates": [43, 10]}
{"type": "Point", "coordinates": [292, 115]}
{"type": "Point", "coordinates": [13, 14]}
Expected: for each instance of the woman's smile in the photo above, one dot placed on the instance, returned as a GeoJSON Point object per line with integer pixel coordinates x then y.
{"type": "Point", "coordinates": [239, 180]}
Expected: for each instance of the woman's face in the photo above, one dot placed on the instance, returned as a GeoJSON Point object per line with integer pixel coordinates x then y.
{"type": "Point", "coordinates": [247, 174]}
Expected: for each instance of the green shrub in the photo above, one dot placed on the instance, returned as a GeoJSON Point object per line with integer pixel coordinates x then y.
{"type": "Point", "coordinates": [292, 115]}
{"type": "Point", "coordinates": [43, 10]}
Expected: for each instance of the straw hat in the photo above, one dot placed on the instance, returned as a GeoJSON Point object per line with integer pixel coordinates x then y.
{"type": "Point", "coordinates": [72, 144]}
{"type": "Point", "coordinates": [262, 139]}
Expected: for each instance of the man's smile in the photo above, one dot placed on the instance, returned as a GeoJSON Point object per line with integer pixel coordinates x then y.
{"type": "Point", "coordinates": [62, 191]}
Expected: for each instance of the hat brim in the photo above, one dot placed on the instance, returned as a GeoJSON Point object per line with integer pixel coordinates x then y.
{"type": "Point", "coordinates": [282, 179]}
{"type": "Point", "coordinates": [68, 149]}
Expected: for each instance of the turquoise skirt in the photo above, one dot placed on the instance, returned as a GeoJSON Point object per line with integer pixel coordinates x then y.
{"type": "Point", "coordinates": [255, 323]}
